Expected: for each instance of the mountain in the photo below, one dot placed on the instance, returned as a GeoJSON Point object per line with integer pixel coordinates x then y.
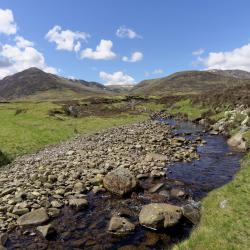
{"type": "Point", "coordinates": [34, 82]}
{"type": "Point", "coordinates": [191, 82]}
{"type": "Point", "coordinates": [236, 73]}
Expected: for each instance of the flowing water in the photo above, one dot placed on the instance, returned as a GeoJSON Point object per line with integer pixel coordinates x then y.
{"type": "Point", "coordinates": [88, 229]}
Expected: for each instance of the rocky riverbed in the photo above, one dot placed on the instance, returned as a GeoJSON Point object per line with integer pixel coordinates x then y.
{"type": "Point", "coordinates": [102, 191]}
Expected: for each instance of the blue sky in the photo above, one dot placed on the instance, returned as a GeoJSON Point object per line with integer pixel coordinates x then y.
{"type": "Point", "coordinates": [168, 36]}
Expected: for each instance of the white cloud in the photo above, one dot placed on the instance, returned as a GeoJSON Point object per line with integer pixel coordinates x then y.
{"type": "Point", "coordinates": [23, 43]}
{"type": "Point", "coordinates": [124, 32]}
{"type": "Point", "coordinates": [238, 58]}
{"type": "Point", "coordinates": [154, 72]}
{"type": "Point", "coordinates": [66, 39]}
{"type": "Point", "coordinates": [20, 58]}
{"type": "Point", "coordinates": [103, 51]}
{"type": "Point", "coordinates": [135, 57]}
{"type": "Point", "coordinates": [158, 71]}
{"type": "Point", "coordinates": [7, 23]}
{"type": "Point", "coordinates": [117, 78]}
{"type": "Point", "coordinates": [198, 52]}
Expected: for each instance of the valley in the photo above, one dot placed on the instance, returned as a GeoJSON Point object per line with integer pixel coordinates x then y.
{"type": "Point", "coordinates": [166, 149]}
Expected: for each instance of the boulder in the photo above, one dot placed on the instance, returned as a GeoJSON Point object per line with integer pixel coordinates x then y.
{"type": "Point", "coordinates": [159, 215]}
{"type": "Point", "coordinates": [119, 181]}
{"type": "Point", "coordinates": [237, 141]}
{"type": "Point", "coordinates": [120, 225]}
{"type": "Point", "coordinates": [34, 217]}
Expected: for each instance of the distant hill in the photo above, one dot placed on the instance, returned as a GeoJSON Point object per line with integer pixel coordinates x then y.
{"type": "Point", "coordinates": [192, 82]}
{"type": "Point", "coordinates": [236, 73]}
{"type": "Point", "coordinates": [34, 82]}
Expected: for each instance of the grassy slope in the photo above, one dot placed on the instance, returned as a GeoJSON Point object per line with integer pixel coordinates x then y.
{"type": "Point", "coordinates": [32, 130]}
{"type": "Point", "coordinates": [186, 107]}
{"type": "Point", "coordinates": [225, 228]}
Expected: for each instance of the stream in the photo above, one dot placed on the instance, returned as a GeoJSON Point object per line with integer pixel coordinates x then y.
{"type": "Point", "coordinates": [88, 229]}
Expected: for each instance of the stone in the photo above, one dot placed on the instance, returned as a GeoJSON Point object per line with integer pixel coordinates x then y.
{"type": "Point", "coordinates": [120, 181]}
{"type": "Point", "coordinates": [120, 225]}
{"type": "Point", "coordinates": [192, 213]}
{"type": "Point", "coordinates": [7, 191]}
{"type": "Point", "coordinates": [79, 187]}
{"type": "Point", "coordinates": [60, 191]}
{"type": "Point", "coordinates": [53, 212]}
{"type": "Point", "coordinates": [78, 203]}
{"type": "Point", "coordinates": [52, 178]}
{"type": "Point", "coordinates": [142, 176]}
{"type": "Point", "coordinates": [159, 215]}
{"type": "Point", "coordinates": [155, 157]}
{"type": "Point", "coordinates": [176, 193]}
{"type": "Point", "coordinates": [156, 187]}
{"type": "Point", "coordinates": [56, 204]}
{"type": "Point", "coordinates": [34, 217]}
{"type": "Point", "coordinates": [20, 211]}
{"type": "Point", "coordinates": [3, 239]}
{"type": "Point", "coordinates": [237, 141]}
{"type": "Point", "coordinates": [164, 193]}
{"type": "Point", "coordinates": [46, 230]}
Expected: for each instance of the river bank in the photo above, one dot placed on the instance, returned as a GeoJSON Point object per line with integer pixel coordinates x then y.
{"type": "Point", "coordinates": [75, 170]}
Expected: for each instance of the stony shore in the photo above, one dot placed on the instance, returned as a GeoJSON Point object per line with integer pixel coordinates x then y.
{"type": "Point", "coordinates": [34, 188]}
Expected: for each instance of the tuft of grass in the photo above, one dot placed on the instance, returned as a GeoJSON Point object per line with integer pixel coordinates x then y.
{"type": "Point", "coordinates": [150, 106]}
{"type": "Point", "coordinates": [193, 111]}
{"type": "Point", "coordinates": [33, 129]}
{"type": "Point", "coordinates": [228, 227]}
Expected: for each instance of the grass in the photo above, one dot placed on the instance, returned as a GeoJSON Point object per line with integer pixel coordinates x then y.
{"type": "Point", "coordinates": [26, 126]}
{"type": "Point", "coordinates": [225, 228]}
{"type": "Point", "coordinates": [187, 107]}
{"type": "Point", "coordinates": [150, 106]}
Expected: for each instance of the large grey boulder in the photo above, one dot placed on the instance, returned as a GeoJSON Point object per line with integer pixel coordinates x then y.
{"type": "Point", "coordinates": [34, 217]}
{"type": "Point", "coordinates": [159, 215]}
{"type": "Point", "coordinates": [120, 181]}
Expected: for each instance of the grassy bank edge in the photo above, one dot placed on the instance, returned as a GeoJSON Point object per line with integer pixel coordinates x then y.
{"type": "Point", "coordinates": [225, 216]}
{"type": "Point", "coordinates": [225, 211]}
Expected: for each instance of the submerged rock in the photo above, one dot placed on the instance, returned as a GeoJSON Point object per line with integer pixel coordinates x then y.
{"type": "Point", "coordinates": [78, 203]}
{"type": "Point", "coordinates": [192, 212]}
{"type": "Point", "coordinates": [34, 217]}
{"type": "Point", "coordinates": [46, 230]}
{"type": "Point", "coordinates": [159, 215]}
{"type": "Point", "coordinates": [120, 225]}
{"type": "Point", "coordinates": [119, 181]}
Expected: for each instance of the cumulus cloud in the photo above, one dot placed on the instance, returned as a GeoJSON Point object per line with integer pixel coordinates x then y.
{"type": "Point", "coordinates": [117, 78]}
{"type": "Point", "coordinates": [135, 57]}
{"type": "Point", "coordinates": [17, 57]}
{"type": "Point", "coordinates": [198, 52]}
{"type": "Point", "coordinates": [124, 32]}
{"type": "Point", "coordinates": [103, 51]}
{"type": "Point", "coordinates": [66, 39]}
{"type": "Point", "coordinates": [23, 43]}
{"type": "Point", "coordinates": [238, 58]}
{"type": "Point", "coordinates": [7, 23]}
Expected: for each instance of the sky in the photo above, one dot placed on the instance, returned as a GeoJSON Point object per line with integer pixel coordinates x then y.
{"type": "Point", "coordinates": [123, 42]}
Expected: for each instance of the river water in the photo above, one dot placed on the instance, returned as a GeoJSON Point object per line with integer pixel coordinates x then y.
{"type": "Point", "coordinates": [88, 229]}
